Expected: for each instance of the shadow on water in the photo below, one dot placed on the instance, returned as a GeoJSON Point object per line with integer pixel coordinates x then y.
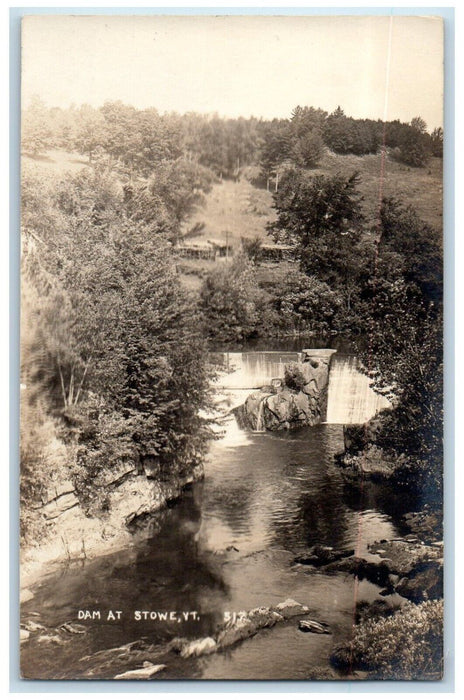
{"type": "Point", "coordinates": [227, 545]}
{"type": "Point", "coordinates": [164, 572]}
{"type": "Point", "coordinates": [382, 498]}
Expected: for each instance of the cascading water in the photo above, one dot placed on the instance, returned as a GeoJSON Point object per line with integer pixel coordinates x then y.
{"type": "Point", "coordinates": [252, 370]}
{"type": "Point", "coordinates": [351, 398]}
{"type": "Point", "coordinates": [226, 400]}
{"type": "Point", "coordinates": [260, 419]}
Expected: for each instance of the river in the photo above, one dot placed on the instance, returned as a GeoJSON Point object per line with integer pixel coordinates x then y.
{"type": "Point", "coordinates": [227, 545]}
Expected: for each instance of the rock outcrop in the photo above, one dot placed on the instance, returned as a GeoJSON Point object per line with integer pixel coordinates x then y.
{"type": "Point", "coordinates": [298, 399]}
{"type": "Point", "coordinates": [405, 566]}
{"type": "Point", "coordinates": [362, 457]}
{"type": "Point", "coordinates": [320, 555]}
{"type": "Point", "coordinates": [73, 535]}
{"type": "Point", "coordinates": [314, 627]}
{"type": "Point", "coordinates": [245, 626]}
{"type": "Point", "coordinates": [402, 556]}
{"type": "Point", "coordinates": [146, 671]}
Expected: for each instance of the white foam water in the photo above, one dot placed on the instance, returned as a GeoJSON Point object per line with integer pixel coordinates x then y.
{"type": "Point", "coordinates": [252, 370]}
{"type": "Point", "coordinates": [351, 399]}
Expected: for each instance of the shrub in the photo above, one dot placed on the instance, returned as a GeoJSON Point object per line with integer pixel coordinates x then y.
{"type": "Point", "coordinates": [234, 306]}
{"type": "Point", "coordinates": [252, 247]}
{"type": "Point", "coordinates": [294, 377]}
{"type": "Point", "coordinates": [404, 646]}
{"type": "Point", "coordinates": [304, 303]}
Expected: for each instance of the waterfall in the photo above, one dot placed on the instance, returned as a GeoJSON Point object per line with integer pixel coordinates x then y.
{"type": "Point", "coordinates": [351, 398]}
{"type": "Point", "coordinates": [230, 434]}
{"type": "Point", "coordinates": [252, 370]}
{"type": "Point", "coordinates": [259, 420]}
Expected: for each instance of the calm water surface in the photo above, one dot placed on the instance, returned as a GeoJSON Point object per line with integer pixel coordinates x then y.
{"type": "Point", "coordinates": [265, 495]}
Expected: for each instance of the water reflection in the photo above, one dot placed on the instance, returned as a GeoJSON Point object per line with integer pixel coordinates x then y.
{"type": "Point", "coordinates": [227, 545]}
{"type": "Point", "coordinates": [383, 498]}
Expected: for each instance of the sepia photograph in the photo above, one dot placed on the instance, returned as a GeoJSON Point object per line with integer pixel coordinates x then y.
{"type": "Point", "coordinates": [231, 347]}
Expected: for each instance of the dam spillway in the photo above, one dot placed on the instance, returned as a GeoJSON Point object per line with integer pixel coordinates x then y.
{"type": "Point", "coordinates": [351, 399]}
{"type": "Point", "coordinates": [252, 370]}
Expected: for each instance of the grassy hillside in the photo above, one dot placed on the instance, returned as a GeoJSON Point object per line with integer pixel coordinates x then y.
{"type": "Point", "coordinates": [234, 210]}
{"type": "Point", "coordinates": [56, 161]}
{"type": "Point", "coordinates": [420, 187]}
{"type": "Point", "coordinates": [244, 210]}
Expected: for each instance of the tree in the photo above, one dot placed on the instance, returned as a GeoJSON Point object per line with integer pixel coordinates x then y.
{"type": "Point", "coordinates": [116, 343]}
{"type": "Point", "coordinates": [121, 140]}
{"type": "Point", "coordinates": [405, 355]}
{"type": "Point", "coordinates": [308, 149]}
{"type": "Point", "coordinates": [419, 246]}
{"type": "Point", "coordinates": [306, 127]}
{"type": "Point", "coordinates": [307, 119]}
{"type": "Point", "coordinates": [90, 131]}
{"type": "Point", "coordinates": [150, 365]}
{"type": "Point", "coordinates": [414, 146]}
{"type": "Point", "coordinates": [234, 306]}
{"type": "Point", "coordinates": [304, 303]}
{"type": "Point", "coordinates": [36, 127]}
{"type": "Point", "coordinates": [337, 131]}
{"type": "Point", "coordinates": [276, 146]}
{"type": "Point", "coordinates": [321, 216]}
{"type": "Point", "coordinates": [436, 142]}
{"type": "Point", "coordinates": [419, 125]}
{"type": "Point", "coordinates": [173, 192]}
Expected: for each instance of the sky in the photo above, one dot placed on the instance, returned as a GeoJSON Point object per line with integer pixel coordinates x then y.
{"type": "Point", "coordinates": [373, 67]}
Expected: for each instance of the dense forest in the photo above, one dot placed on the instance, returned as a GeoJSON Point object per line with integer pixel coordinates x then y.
{"type": "Point", "coordinates": [139, 139]}
{"type": "Point", "coordinates": [115, 349]}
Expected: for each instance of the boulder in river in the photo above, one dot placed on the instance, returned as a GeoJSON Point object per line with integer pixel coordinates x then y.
{"type": "Point", "coordinates": [375, 572]}
{"type": "Point", "coordinates": [73, 628]}
{"type": "Point", "coordinates": [32, 626]}
{"type": "Point", "coordinates": [199, 647]}
{"type": "Point", "coordinates": [314, 627]}
{"type": "Point", "coordinates": [290, 608]}
{"type": "Point", "coordinates": [372, 464]}
{"type": "Point", "coordinates": [147, 671]}
{"type": "Point", "coordinates": [246, 625]}
{"type": "Point", "coordinates": [319, 555]}
{"type": "Point", "coordinates": [424, 582]}
{"type": "Point", "coordinates": [51, 639]}
{"type": "Point", "coordinates": [285, 410]}
{"type": "Point", "coordinates": [298, 399]}
{"type": "Point", "coordinates": [242, 629]}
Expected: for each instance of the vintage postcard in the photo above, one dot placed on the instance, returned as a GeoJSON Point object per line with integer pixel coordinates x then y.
{"type": "Point", "coordinates": [231, 347]}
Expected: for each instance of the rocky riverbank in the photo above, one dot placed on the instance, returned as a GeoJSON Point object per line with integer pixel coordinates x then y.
{"type": "Point", "coordinates": [406, 566]}
{"type": "Point", "coordinates": [401, 635]}
{"type": "Point", "coordinates": [70, 536]}
{"type": "Point", "coordinates": [141, 659]}
{"type": "Point", "coordinates": [394, 640]}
